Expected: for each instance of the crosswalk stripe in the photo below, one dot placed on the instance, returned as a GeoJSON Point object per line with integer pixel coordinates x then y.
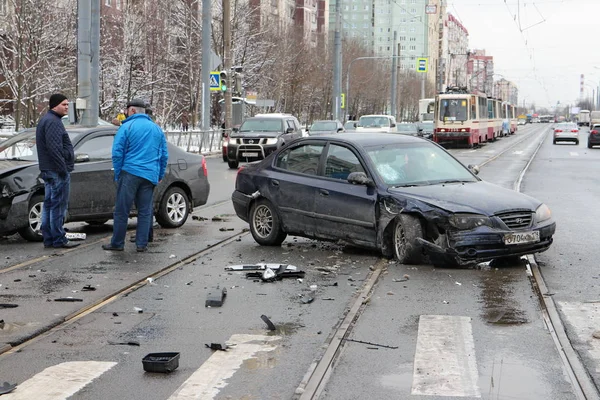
{"type": "Point", "coordinates": [60, 381]}
{"type": "Point", "coordinates": [445, 363]}
{"type": "Point", "coordinates": [573, 153]}
{"type": "Point", "coordinates": [206, 382]}
{"type": "Point", "coordinates": [585, 320]}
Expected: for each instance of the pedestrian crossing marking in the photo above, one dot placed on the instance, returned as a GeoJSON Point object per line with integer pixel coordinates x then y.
{"type": "Point", "coordinates": [585, 320]}
{"type": "Point", "coordinates": [208, 380]}
{"type": "Point", "coordinates": [59, 381]}
{"type": "Point", "coordinates": [573, 153]}
{"type": "Point", "coordinates": [444, 363]}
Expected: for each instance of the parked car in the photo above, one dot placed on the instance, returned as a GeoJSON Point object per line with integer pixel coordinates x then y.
{"type": "Point", "coordinates": [325, 127]}
{"type": "Point", "coordinates": [426, 129]}
{"type": "Point", "coordinates": [93, 190]}
{"type": "Point", "coordinates": [566, 132]}
{"type": "Point", "coordinates": [261, 135]}
{"type": "Point", "coordinates": [350, 126]}
{"type": "Point", "coordinates": [407, 128]}
{"type": "Point", "coordinates": [376, 123]}
{"type": "Point", "coordinates": [594, 136]}
{"type": "Point", "coordinates": [403, 195]}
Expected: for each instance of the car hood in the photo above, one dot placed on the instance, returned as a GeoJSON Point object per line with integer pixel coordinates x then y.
{"type": "Point", "coordinates": [316, 133]}
{"type": "Point", "coordinates": [475, 197]}
{"type": "Point", "coordinates": [11, 166]}
{"type": "Point", "coordinates": [250, 135]}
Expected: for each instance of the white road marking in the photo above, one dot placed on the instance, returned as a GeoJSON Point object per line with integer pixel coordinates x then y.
{"type": "Point", "coordinates": [518, 152]}
{"type": "Point", "coordinates": [573, 153]}
{"type": "Point", "coordinates": [585, 320]}
{"type": "Point", "coordinates": [59, 381]}
{"type": "Point", "coordinates": [445, 363]}
{"type": "Point", "coordinates": [490, 151]}
{"type": "Point", "coordinates": [212, 376]}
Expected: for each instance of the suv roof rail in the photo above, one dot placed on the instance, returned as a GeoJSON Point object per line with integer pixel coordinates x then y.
{"type": "Point", "coordinates": [273, 115]}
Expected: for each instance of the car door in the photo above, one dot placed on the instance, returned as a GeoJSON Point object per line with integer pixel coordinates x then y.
{"type": "Point", "coordinates": [288, 136]}
{"type": "Point", "coordinates": [344, 210]}
{"type": "Point", "coordinates": [93, 190]}
{"type": "Point", "coordinates": [290, 186]}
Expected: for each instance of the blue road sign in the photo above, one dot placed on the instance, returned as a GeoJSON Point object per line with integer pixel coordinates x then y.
{"type": "Point", "coordinates": [421, 65]}
{"type": "Point", "coordinates": [215, 81]}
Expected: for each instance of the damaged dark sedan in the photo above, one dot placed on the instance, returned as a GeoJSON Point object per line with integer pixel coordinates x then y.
{"type": "Point", "coordinates": [93, 190]}
{"type": "Point", "coordinates": [403, 195]}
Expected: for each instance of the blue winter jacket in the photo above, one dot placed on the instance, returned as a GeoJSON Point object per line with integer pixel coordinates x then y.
{"type": "Point", "coordinates": [140, 148]}
{"type": "Point", "coordinates": [54, 147]}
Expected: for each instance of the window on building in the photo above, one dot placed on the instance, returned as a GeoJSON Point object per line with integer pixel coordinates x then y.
{"type": "Point", "coordinates": [354, 7]}
{"type": "Point", "coordinates": [3, 6]}
{"type": "Point", "coordinates": [107, 2]}
{"type": "Point", "coordinates": [118, 4]}
{"type": "Point", "coordinates": [366, 8]}
{"type": "Point", "coordinates": [413, 48]}
{"type": "Point", "coordinates": [413, 39]}
{"type": "Point", "coordinates": [402, 11]}
{"type": "Point", "coordinates": [413, 1]}
{"type": "Point", "coordinates": [412, 30]}
{"type": "Point", "coordinates": [402, 37]}
{"type": "Point", "coordinates": [402, 47]}
{"type": "Point", "coordinates": [346, 8]}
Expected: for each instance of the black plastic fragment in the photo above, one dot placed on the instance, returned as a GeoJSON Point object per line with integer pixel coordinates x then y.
{"type": "Point", "coordinates": [7, 305]}
{"type": "Point", "coordinates": [217, 346]}
{"type": "Point", "coordinates": [130, 343]}
{"type": "Point", "coordinates": [270, 325]}
{"type": "Point", "coordinates": [7, 388]}
{"type": "Point", "coordinates": [68, 299]}
{"type": "Point", "coordinates": [88, 288]}
{"type": "Point", "coordinates": [285, 274]}
{"type": "Point", "coordinates": [216, 298]}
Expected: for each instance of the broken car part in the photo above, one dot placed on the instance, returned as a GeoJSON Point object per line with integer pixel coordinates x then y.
{"type": "Point", "coordinates": [68, 299]}
{"type": "Point", "coordinates": [7, 388]}
{"type": "Point", "coordinates": [216, 298]}
{"type": "Point", "coordinates": [6, 305]}
{"type": "Point", "coordinates": [217, 346]}
{"type": "Point", "coordinates": [259, 267]}
{"type": "Point", "coordinates": [161, 362]}
{"type": "Point", "coordinates": [371, 344]}
{"type": "Point", "coordinates": [270, 325]}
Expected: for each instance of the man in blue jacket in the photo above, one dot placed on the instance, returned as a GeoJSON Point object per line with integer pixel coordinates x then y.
{"type": "Point", "coordinates": [56, 162]}
{"type": "Point", "coordinates": [139, 156]}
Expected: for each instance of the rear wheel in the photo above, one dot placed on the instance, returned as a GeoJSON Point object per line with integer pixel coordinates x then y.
{"type": "Point", "coordinates": [265, 224]}
{"type": "Point", "coordinates": [589, 145]}
{"type": "Point", "coordinates": [406, 232]}
{"type": "Point", "coordinates": [33, 231]}
{"type": "Point", "coordinates": [554, 141]}
{"type": "Point", "coordinates": [174, 208]}
{"type": "Point", "coordinates": [577, 142]}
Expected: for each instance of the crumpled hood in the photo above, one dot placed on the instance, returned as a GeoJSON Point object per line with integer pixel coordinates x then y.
{"type": "Point", "coordinates": [475, 197]}
{"type": "Point", "coordinates": [10, 166]}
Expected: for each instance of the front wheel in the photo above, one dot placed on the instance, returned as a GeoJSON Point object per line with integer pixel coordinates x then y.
{"type": "Point", "coordinates": [589, 145]}
{"type": "Point", "coordinates": [33, 231]}
{"type": "Point", "coordinates": [233, 164]}
{"type": "Point", "coordinates": [174, 208]}
{"type": "Point", "coordinates": [406, 247]}
{"type": "Point", "coordinates": [265, 225]}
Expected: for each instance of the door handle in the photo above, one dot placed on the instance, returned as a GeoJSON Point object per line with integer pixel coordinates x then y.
{"type": "Point", "coordinates": [324, 192]}
{"type": "Point", "coordinates": [274, 182]}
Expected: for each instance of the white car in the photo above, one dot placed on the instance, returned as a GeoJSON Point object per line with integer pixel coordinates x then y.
{"type": "Point", "coordinates": [376, 123]}
{"type": "Point", "coordinates": [566, 132]}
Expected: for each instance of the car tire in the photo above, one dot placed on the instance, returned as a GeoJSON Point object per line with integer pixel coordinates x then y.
{"type": "Point", "coordinates": [224, 157]}
{"type": "Point", "coordinates": [590, 145]}
{"type": "Point", "coordinates": [265, 224]}
{"type": "Point", "coordinates": [233, 164]}
{"type": "Point", "coordinates": [96, 222]}
{"type": "Point", "coordinates": [174, 208]}
{"type": "Point", "coordinates": [577, 142]}
{"type": "Point", "coordinates": [33, 231]}
{"type": "Point", "coordinates": [554, 142]}
{"type": "Point", "coordinates": [407, 230]}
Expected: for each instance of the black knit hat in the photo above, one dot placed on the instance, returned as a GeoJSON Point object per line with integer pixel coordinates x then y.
{"type": "Point", "coordinates": [56, 99]}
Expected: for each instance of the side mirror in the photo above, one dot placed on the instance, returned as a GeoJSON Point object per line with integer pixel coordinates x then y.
{"type": "Point", "coordinates": [474, 168]}
{"type": "Point", "coordinates": [235, 129]}
{"type": "Point", "coordinates": [81, 158]}
{"type": "Point", "coordinates": [392, 125]}
{"type": "Point", "coordinates": [360, 178]}
{"type": "Point", "coordinates": [340, 130]}
{"type": "Point", "coordinates": [355, 124]}
{"type": "Point", "coordinates": [289, 130]}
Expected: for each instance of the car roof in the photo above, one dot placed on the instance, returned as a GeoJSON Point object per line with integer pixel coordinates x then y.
{"type": "Point", "coordinates": [369, 139]}
{"type": "Point", "coordinates": [272, 115]}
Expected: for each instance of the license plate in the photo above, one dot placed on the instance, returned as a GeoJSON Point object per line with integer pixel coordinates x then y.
{"type": "Point", "coordinates": [522, 238]}
{"type": "Point", "coordinates": [249, 154]}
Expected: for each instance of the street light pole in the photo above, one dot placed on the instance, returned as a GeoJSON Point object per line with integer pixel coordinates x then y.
{"type": "Point", "coordinates": [337, 62]}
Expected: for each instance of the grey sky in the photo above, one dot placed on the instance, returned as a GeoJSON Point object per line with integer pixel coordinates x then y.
{"type": "Point", "coordinates": [544, 51]}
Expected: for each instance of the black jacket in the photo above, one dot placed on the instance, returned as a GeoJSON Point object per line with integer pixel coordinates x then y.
{"type": "Point", "coordinates": [55, 150]}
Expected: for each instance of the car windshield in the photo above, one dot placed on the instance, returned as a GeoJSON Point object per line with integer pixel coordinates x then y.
{"type": "Point", "coordinates": [374, 122]}
{"type": "Point", "coordinates": [453, 110]}
{"type": "Point", "coordinates": [407, 128]}
{"type": "Point", "coordinates": [349, 125]}
{"type": "Point", "coordinates": [418, 164]}
{"type": "Point", "coordinates": [261, 125]}
{"type": "Point", "coordinates": [427, 127]}
{"type": "Point", "coordinates": [323, 126]}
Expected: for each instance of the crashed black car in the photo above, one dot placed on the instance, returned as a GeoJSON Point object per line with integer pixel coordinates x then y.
{"type": "Point", "coordinates": [93, 191]}
{"type": "Point", "coordinates": [403, 195]}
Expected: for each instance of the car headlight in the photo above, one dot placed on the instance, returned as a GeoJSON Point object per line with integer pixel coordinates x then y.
{"type": "Point", "coordinates": [542, 213]}
{"type": "Point", "coordinates": [272, 140]}
{"type": "Point", "coordinates": [469, 221]}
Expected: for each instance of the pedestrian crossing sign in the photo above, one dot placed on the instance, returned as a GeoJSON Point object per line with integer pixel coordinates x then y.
{"type": "Point", "coordinates": [421, 65]}
{"type": "Point", "coordinates": [215, 81]}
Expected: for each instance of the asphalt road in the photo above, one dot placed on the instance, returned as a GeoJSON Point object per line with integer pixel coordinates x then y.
{"type": "Point", "coordinates": [498, 346]}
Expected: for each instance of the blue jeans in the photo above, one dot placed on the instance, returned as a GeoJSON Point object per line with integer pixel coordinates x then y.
{"type": "Point", "coordinates": [130, 189]}
{"type": "Point", "coordinates": [56, 200]}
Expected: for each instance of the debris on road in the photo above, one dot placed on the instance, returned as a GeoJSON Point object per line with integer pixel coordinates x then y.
{"type": "Point", "coordinates": [7, 305]}
{"type": "Point", "coordinates": [88, 288]}
{"type": "Point", "coordinates": [260, 267]}
{"type": "Point", "coordinates": [7, 388]}
{"type": "Point", "coordinates": [217, 346]}
{"type": "Point", "coordinates": [172, 256]}
{"type": "Point", "coordinates": [199, 218]}
{"type": "Point", "coordinates": [68, 299]}
{"type": "Point", "coordinates": [161, 362]}
{"type": "Point", "coordinates": [270, 325]}
{"type": "Point", "coordinates": [458, 283]}
{"type": "Point", "coordinates": [226, 229]}
{"type": "Point", "coordinates": [399, 280]}
{"type": "Point", "coordinates": [75, 236]}
{"type": "Point", "coordinates": [385, 346]}
{"type": "Point", "coordinates": [596, 335]}
{"type": "Point", "coordinates": [129, 343]}
{"type": "Point", "coordinates": [307, 299]}
{"type": "Point", "coordinates": [216, 297]}
{"type": "Point", "coordinates": [139, 310]}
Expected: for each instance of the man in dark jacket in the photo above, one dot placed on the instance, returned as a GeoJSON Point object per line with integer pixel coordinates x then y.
{"type": "Point", "coordinates": [56, 161]}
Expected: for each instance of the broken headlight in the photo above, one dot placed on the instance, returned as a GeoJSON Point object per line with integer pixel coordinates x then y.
{"type": "Point", "coordinates": [469, 221]}
{"type": "Point", "coordinates": [542, 213]}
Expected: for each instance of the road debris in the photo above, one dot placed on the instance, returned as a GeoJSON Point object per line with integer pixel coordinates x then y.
{"type": "Point", "coordinates": [7, 388]}
{"type": "Point", "coordinates": [260, 267]}
{"type": "Point", "coordinates": [226, 229]}
{"type": "Point", "coordinates": [7, 305]}
{"type": "Point", "coordinates": [199, 218]}
{"type": "Point", "coordinates": [307, 299]}
{"type": "Point", "coordinates": [172, 256]}
{"type": "Point", "coordinates": [75, 236]}
{"type": "Point", "coordinates": [68, 299]}
{"type": "Point", "coordinates": [458, 283]}
{"type": "Point", "coordinates": [129, 343]}
{"type": "Point", "coordinates": [217, 346]}
{"type": "Point", "coordinates": [216, 297]}
{"type": "Point", "coordinates": [385, 346]}
{"type": "Point", "coordinates": [88, 288]}
{"type": "Point", "coordinates": [270, 325]}
{"type": "Point", "coordinates": [139, 310]}
{"type": "Point", "coordinates": [399, 280]}
{"type": "Point", "coordinates": [161, 362]}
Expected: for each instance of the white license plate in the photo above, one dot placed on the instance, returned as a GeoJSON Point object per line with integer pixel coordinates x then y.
{"type": "Point", "coordinates": [249, 154]}
{"type": "Point", "coordinates": [522, 238]}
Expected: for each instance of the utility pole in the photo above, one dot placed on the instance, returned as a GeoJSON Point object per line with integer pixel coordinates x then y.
{"type": "Point", "coordinates": [394, 77]}
{"type": "Point", "coordinates": [88, 52]}
{"type": "Point", "coordinates": [227, 61]}
{"type": "Point", "coordinates": [337, 62]}
{"type": "Point", "coordinates": [206, 67]}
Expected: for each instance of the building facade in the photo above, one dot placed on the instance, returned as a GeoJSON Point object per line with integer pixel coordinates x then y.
{"type": "Point", "coordinates": [454, 53]}
{"type": "Point", "coordinates": [480, 72]}
{"type": "Point", "coordinates": [506, 90]}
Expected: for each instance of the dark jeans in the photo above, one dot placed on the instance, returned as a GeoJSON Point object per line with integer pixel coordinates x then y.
{"type": "Point", "coordinates": [130, 189]}
{"type": "Point", "coordinates": [56, 200]}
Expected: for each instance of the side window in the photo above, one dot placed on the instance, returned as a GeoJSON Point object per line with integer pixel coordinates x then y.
{"type": "Point", "coordinates": [302, 159]}
{"type": "Point", "coordinates": [290, 124]}
{"type": "Point", "coordinates": [340, 162]}
{"type": "Point", "coordinates": [98, 148]}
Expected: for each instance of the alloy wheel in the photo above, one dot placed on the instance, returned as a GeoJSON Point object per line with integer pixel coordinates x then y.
{"type": "Point", "coordinates": [35, 217]}
{"type": "Point", "coordinates": [176, 207]}
{"type": "Point", "coordinates": [263, 221]}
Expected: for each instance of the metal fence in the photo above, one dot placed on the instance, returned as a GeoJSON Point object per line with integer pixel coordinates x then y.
{"type": "Point", "coordinates": [197, 141]}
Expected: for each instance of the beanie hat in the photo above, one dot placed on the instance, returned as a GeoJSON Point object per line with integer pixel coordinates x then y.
{"type": "Point", "coordinates": [56, 99]}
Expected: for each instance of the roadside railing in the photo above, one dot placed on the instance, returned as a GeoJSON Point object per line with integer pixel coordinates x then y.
{"type": "Point", "coordinates": [197, 141]}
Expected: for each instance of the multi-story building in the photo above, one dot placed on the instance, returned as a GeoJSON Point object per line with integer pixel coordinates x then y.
{"type": "Point", "coordinates": [306, 20]}
{"type": "Point", "coordinates": [480, 72]}
{"type": "Point", "coordinates": [454, 53]}
{"type": "Point", "coordinates": [506, 90]}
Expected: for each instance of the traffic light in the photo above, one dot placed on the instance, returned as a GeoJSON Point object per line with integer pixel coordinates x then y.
{"type": "Point", "coordinates": [224, 82]}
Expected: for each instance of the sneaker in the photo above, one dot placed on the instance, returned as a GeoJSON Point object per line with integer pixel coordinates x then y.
{"type": "Point", "coordinates": [141, 249]}
{"type": "Point", "coordinates": [67, 245]}
{"type": "Point", "coordinates": [111, 248]}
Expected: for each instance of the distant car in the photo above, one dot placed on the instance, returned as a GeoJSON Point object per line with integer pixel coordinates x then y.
{"type": "Point", "coordinates": [594, 136]}
{"type": "Point", "coordinates": [426, 129]}
{"type": "Point", "coordinates": [350, 126]}
{"type": "Point", "coordinates": [566, 132]}
{"type": "Point", "coordinates": [261, 135]}
{"type": "Point", "coordinates": [376, 123]}
{"type": "Point", "coordinates": [404, 196]}
{"type": "Point", "coordinates": [326, 127]}
{"type": "Point", "coordinates": [407, 128]}
{"type": "Point", "coordinates": [93, 190]}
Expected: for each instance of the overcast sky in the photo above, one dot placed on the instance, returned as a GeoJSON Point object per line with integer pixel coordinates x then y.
{"type": "Point", "coordinates": [543, 46]}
